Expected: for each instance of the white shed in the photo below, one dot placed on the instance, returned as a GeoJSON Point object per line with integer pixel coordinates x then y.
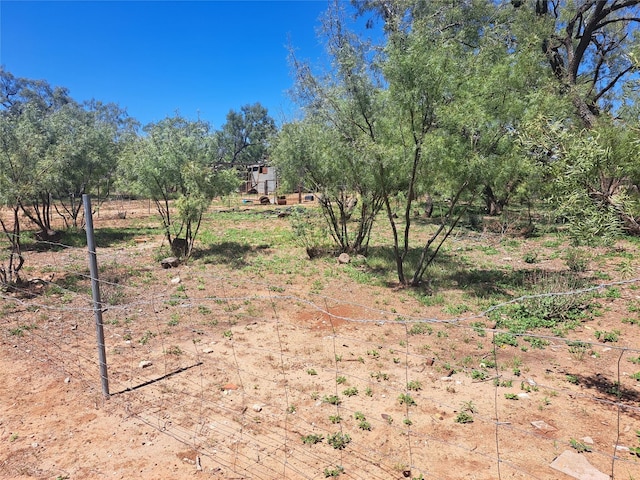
{"type": "Point", "coordinates": [260, 179]}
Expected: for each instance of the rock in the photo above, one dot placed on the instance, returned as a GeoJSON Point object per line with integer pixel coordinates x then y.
{"type": "Point", "coordinates": [577, 466]}
{"type": "Point", "coordinates": [587, 440]}
{"type": "Point", "coordinates": [145, 363]}
{"type": "Point", "coordinates": [176, 280]}
{"type": "Point", "coordinates": [67, 380]}
{"type": "Point", "coordinates": [207, 350]}
{"type": "Point", "coordinates": [543, 426]}
{"type": "Point", "coordinates": [257, 407]}
{"type": "Point", "coordinates": [170, 262]}
{"type": "Point", "coordinates": [230, 386]}
{"type": "Point", "coordinates": [344, 258]}
{"type": "Point", "coordinates": [523, 395]}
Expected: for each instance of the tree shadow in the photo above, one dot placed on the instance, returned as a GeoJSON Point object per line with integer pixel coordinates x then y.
{"type": "Point", "coordinates": [77, 238]}
{"type": "Point", "coordinates": [484, 283]}
{"type": "Point", "coordinates": [451, 271]}
{"type": "Point", "coordinates": [233, 254]}
{"type": "Point", "coordinates": [612, 389]}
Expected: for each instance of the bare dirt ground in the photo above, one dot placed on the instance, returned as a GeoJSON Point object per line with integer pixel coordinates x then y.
{"type": "Point", "coordinates": [221, 369]}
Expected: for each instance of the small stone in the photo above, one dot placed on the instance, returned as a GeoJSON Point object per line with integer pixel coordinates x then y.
{"type": "Point", "coordinates": [170, 262]}
{"type": "Point", "coordinates": [257, 407]}
{"type": "Point", "coordinates": [622, 448]}
{"type": "Point", "coordinates": [67, 380]}
{"type": "Point", "coordinates": [606, 349]}
{"type": "Point", "coordinates": [587, 440]}
{"type": "Point", "coordinates": [230, 386]}
{"type": "Point", "coordinates": [543, 426]}
{"type": "Point", "coordinates": [34, 444]}
{"type": "Point", "coordinates": [176, 280]}
{"type": "Point", "coordinates": [344, 258]}
{"type": "Point", "coordinates": [207, 350]}
{"type": "Point", "coordinates": [145, 363]}
{"type": "Point", "coordinates": [523, 395]}
{"type": "Point", "coordinates": [446, 379]}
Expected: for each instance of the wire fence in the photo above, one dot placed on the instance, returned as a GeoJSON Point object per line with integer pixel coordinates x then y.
{"type": "Point", "coordinates": [265, 381]}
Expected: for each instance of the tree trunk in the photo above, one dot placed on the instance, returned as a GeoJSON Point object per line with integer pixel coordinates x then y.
{"type": "Point", "coordinates": [493, 205]}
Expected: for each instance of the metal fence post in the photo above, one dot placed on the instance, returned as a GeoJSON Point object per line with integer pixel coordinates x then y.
{"type": "Point", "coordinates": [95, 291]}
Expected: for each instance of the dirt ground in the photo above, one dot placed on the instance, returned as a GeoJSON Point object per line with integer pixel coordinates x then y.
{"type": "Point", "coordinates": [234, 370]}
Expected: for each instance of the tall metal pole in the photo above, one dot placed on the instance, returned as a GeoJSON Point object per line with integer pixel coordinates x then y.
{"type": "Point", "coordinates": [95, 291]}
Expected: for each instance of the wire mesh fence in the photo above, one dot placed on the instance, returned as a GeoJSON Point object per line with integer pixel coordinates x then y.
{"type": "Point", "coordinates": [265, 381]}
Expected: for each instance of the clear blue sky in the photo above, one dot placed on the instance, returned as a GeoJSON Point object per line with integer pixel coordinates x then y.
{"type": "Point", "coordinates": [156, 58]}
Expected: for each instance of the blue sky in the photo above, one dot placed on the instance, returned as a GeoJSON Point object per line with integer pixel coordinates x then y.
{"type": "Point", "coordinates": [155, 58]}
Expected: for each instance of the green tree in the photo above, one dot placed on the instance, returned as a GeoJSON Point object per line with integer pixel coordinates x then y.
{"type": "Point", "coordinates": [172, 165]}
{"type": "Point", "coordinates": [25, 107]}
{"type": "Point", "coordinates": [27, 110]}
{"type": "Point", "coordinates": [309, 152]}
{"type": "Point", "coordinates": [88, 140]}
{"type": "Point", "coordinates": [592, 49]}
{"type": "Point", "coordinates": [591, 176]}
{"type": "Point", "coordinates": [245, 137]}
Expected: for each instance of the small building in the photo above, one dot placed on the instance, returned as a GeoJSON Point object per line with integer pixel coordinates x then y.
{"type": "Point", "coordinates": [259, 179]}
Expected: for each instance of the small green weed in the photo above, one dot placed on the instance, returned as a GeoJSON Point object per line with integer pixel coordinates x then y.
{"type": "Point", "coordinates": [350, 392]}
{"type": "Point", "coordinates": [605, 336]}
{"type": "Point", "coordinates": [339, 440]}
{"type": "Point", "coordinates": [406, 399]}
{"type": "Point", "coordinates": [331, 399]}
{"type": "Point", "coordinates": [173, 350]}
{"type": "Point", "coordinates": [148, 335]}
{"type": "Point", "coordinates": [335, 418]}
{"type": "Point", "coordinates": [379, 376]}
{"type": "Point", "coordinates": [468, 407]}
{"type": "Point", "coordinates": [479, 375]}
{"type": "Point", "coordinates": [612, 292]}
{"type": "Point", "coordinates": [421, 329]}
{"type": "Point", "coordinates": [579, 446]}
{"type": "Point", "coordinates": [479, 328]}
{"type": "Point", "coordinates": [464, 417]}
{"type": "Point", "coordinates": [573, 379]}
{"type": "Point", "coordinates": [501, 339]}
{"type": "Point", "coordinates": [414, 385]}
{"type": "Point", "coordinates": [312, 439]}
{"type": "Point", "coordinates": [333, 472]}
